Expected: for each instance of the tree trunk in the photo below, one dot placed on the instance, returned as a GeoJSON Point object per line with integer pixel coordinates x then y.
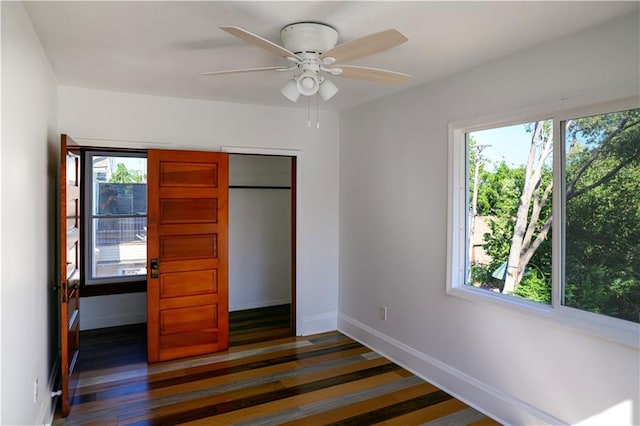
{"type": "Point", "coordinates": [523, 230]}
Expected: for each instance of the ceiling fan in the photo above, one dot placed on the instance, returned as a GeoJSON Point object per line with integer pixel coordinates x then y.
{"type": "Point", "coordinates": [311, 47]}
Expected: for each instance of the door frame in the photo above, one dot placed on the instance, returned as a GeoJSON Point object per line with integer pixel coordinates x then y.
{"type": "Point", "coordinates": [296, 191]}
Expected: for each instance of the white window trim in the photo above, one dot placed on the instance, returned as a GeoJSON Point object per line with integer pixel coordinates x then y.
{"type": "Point", "coordinates": [613, 329]}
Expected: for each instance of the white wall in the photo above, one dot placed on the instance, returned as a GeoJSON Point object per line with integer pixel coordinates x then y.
{"type": "Point", "coordinates": [108, 118]}
{"type": "Point", "coordinates": [393, 228]}
{"type": "Point", "coordinates": [29, 159]}
{"type": "Point", "coordinates": [259, 231]}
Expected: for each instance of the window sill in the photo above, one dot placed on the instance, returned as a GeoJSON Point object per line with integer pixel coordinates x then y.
{"type": "Point", "coordinates": [615, 330]}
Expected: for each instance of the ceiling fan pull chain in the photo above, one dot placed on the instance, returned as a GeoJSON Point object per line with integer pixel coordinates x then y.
{"type": "Point", "coordinates": [317, 111]}
{"type": "Point", "coordinates": [308, 112]}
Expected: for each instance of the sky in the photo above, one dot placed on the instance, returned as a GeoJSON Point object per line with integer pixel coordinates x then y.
{"type": "Point", "coordinates": [510, 144]}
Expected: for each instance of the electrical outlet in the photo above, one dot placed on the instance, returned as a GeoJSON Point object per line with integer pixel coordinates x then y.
{"type": "Point", "coordinates": [383, 313]}
{"type": "Point", "coordinates": [35, 391]}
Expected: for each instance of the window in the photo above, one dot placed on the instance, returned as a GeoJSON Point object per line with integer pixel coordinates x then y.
{"type": "Point", "coordinates": [116, 211]}
{"type": "Point", "coordinates": [510, 186]}
{"type": "Point", "coordinates": [602, 214]}
{"type": "Point", "coordinates": [546, 216]}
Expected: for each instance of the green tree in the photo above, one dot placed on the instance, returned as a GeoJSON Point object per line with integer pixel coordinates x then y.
{"type": "Point", "coordinates": [122, 175]}
{"type": "Point", "coordinates": [533, 217]}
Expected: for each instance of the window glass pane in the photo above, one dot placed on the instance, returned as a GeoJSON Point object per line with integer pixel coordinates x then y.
{"type": "Point", "coordinates": [120, 246]}
{"type": "Point", "coordinates": [602, 240]}
{"type": "Point", "coordinates": [118, 226]}
{"type": "Point", "coordinates": [509, 227]}
{"type": "Point", "coordinates": [119, 185]}
{"type": "Point", "coordinates": [121, 198]}
{"type": "Point", "coordinates": [72, 170]}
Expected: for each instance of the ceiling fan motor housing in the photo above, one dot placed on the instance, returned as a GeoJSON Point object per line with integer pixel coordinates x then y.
{"type": "Point", "coordinates": [312, 37]}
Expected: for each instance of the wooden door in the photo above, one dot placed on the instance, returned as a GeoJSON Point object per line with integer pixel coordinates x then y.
{"type": "Point", "coordinates": [69, 246]}
{"type": "Point", "coordinates": [187, 290]}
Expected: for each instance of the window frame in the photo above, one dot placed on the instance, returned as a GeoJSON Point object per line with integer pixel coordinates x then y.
{"type": "Point", "coordinates": [108, 285]}
{"type": "Point", "coordinates": [610, 328]}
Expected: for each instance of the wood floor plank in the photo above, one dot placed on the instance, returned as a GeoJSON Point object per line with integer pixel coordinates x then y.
{"type": "Point", "coordinates": [394, 410]}
{"type": "Point", "coordinates": [211, 408]}
{"type": "Point", "coordinates": [185, 411]}
{"type": "Point", "coordinates": [295, 401]}
{"type": "Point", "coordinates": [161, 395]}
{"type": "Point", "coordinates": [267, 377]}
{"type": "Point", "coordinates": [324, 373]}
{"type": "Point", "coordinates": [361, 408]}
{"type": "Point", "coordinates": [282, 372]}
{"type": "Point", "coordinates": [224, 367]}
{"type": "Point", "coordinates": [174, 368]}
{"type": "Point", "coordinates": [425, 414]}
{"type": "Point", "coordinates": [333, 401]}
{"type": "Point", "coordinates": [203, 388]}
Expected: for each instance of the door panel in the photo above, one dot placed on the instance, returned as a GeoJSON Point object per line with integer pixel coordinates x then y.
{"type": "Point", "coordinates": [69, 248]}
{"type": "Point", "coordinates": [185, 247]}
{"type": "Point", "coordinates": [188, 283]}
{"type": "Point", "coordinates": [188, 211]}
{"type": "Point", "coordinates": [187, 290]}
{"type": "Point", "coordinates": [187, 319]}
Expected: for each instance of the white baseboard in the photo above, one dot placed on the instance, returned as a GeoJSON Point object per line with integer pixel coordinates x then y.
{"type": "Point", "coordinates": [113, 320]}
{"type": "Point", "coordinates": [256, 305]}
{"type": "Point", "coordinates": [320, 323]}
{"type": "Point", "coordinates": [500, 406]}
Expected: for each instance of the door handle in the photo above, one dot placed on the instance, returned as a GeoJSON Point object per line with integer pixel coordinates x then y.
{"type": "Point", "coordinates": [154, 266]}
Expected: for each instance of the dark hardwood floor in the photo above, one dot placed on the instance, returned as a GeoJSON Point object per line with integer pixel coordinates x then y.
{"type": "Point", "coordinates": [267, 377]}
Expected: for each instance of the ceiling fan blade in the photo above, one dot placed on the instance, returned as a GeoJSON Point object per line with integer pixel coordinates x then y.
{"type": "Point", "coordinates": [260, 42]}
{"type": "Point", "coordinates": [373, 74]}
{"type": "Point", "coordinates": [238, 71]}
{"type": "Point", "coordinates": [365, 46]}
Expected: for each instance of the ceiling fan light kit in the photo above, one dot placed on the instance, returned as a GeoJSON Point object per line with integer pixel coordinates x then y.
{"type": "Point", "coordinates": [307, 82]}
{"type": "Point", "coordinates": [311, 46]}
{"type": "Point", "coordinates": [327, 90]}
{"type": "Point", "coordinates": [290, 90]}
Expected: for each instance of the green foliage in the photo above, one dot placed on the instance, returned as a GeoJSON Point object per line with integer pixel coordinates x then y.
{"type": "Point", "coordinates": [499, 190]}
{"type": "Point", "coordinates": [535, 286]}
{"type": "Point", "coordinates": [479, 274]}
{"type": "Point", "coordinates": [498, 195]}
{"type": "Point", "coordinates": [122, 175]}
{"type": "Point", "coordinates": [597, 288]}
{"type": "Point", "coordinates": [625, 295]}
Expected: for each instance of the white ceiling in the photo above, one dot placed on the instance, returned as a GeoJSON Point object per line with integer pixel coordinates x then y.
{"type": "Point", "coordinates": [160, 48]}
